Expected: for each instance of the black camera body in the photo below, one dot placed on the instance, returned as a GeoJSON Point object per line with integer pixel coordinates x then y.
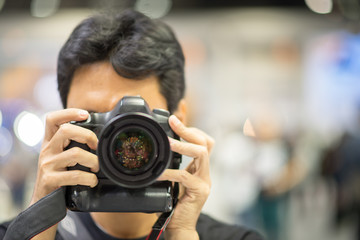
{"type": "Point", "coordinates": [133, 152]}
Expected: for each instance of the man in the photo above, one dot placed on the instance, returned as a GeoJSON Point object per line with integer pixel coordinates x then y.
{"type": "Point", "coordinates": [105, 59]}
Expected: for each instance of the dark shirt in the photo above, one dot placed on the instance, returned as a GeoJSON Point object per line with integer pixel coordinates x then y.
{"type": "Point", "coordinates": [78, 226]}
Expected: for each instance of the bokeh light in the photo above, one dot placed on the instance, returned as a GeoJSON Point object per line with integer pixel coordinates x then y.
{"type": "Point", "coordinates": [6, 142]}
{"type": "Point", "coordinates": [154, 8]}
{"type": "Point", "coordinates": [44, 8]}
{"type": "Point", "coordinates": [28, 128]}
{"type": "Point", "coordinates": [320, 6]}
{"type": "Point", "coordinates": [2, 2]}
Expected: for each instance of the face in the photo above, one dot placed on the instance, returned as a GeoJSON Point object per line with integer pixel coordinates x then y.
{"type": "Point", "coordinates": [98, 88]}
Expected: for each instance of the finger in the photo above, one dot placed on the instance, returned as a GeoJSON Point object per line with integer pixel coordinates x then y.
{"type": "Point", "coordinates": [69, 132]}
{"type": "Point", "coordinates": [199, 153]}
{"type": "Point", "coordinates": [209, 140]}
{"type": "Point", "coordinates": [189, 181]}
{"type": "Point", "coordinates": [192, 135]}
{"type": "Point", "coordinates": [75, 155]}
{"type": "Point", "coordinates": [55, 119]}
{"type": "Point", "coordinates": [185, 133]}
{"type": "Point", "coordinates": [74, 177]}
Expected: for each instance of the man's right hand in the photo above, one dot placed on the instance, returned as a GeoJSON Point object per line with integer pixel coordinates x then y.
{"type": "Point", "coordinates": [54, 160]}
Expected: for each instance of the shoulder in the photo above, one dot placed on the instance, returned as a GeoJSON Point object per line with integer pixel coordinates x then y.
{"type": "Point", "coordinates": [209, 228]}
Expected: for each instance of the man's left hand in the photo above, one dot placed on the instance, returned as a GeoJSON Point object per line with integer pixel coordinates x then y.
{"type": "Point", "coordinates": [194, 180]}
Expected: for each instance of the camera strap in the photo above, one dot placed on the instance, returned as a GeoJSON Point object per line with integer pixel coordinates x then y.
{"type": "Point", "coordinates": [164, 219]}
{"type": "Point", "coordinates": [40, 216]}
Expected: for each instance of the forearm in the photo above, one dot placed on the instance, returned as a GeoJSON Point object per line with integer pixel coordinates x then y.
{"type": "Point", "coordinates": [181, 234]}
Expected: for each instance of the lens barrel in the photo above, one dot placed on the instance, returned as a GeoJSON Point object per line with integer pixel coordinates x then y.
{"type": "Point", "coordinates": [133, 150]}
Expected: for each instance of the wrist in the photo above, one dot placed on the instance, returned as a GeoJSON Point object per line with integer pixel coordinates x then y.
{"type": "Point", "coordinates": [181, 234]}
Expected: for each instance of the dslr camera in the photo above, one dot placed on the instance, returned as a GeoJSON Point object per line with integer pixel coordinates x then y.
{"type": "Point", "coordinates": [133, 152]}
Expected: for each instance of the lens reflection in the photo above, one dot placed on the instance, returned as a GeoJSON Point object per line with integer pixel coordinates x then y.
{"type": "Point", "coordinates": [133, 149]}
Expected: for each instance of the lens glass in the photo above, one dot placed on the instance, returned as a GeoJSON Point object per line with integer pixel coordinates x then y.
{"type": "Point", "coordinates": [133, 149]}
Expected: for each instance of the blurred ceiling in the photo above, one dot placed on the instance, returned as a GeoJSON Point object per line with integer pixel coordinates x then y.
{"type": "Point", "coordinates": [347, 9]}
{"type": "Point", "coordinates": [19, 5]}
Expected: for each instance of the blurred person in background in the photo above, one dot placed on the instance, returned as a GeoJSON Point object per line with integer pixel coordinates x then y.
{"type": "Point", "coordinates": [105, 59]}
{"type": "Point", "coordinates": [262, 163]}
{"type": "Point", "coordinates": [340, 165]}
{"type": "Point", "coordinates": [278, 171]}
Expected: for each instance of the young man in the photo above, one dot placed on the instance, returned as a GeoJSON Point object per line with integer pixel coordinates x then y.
{"type": "Point", "coordinates": [105, 59]}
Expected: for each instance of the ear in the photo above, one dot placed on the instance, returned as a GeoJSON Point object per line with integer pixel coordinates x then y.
{"type": "Point", "coordinates": [181, 111]}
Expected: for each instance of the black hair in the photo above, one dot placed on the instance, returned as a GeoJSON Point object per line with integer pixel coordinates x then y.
{"type": "Point", "coordinates": [134, 44]}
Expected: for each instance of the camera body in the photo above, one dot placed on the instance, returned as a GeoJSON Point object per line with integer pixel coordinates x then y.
{"type": "Point", "coordinates": [133, 152]}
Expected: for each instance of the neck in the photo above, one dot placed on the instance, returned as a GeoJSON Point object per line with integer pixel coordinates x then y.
{"type": "Point", "coordinates": [125, 225]}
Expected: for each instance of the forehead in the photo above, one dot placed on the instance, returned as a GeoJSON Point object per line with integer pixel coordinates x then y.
{"type": "Point", "coordinates": [97, 87]}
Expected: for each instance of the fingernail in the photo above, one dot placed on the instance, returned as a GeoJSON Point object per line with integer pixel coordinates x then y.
{"type": "Point", "coordinates": [171, 141]}
{"type": "Point", "coordinates": [175, 120]}
{"type": "Point", "coordinates": [83, 113]}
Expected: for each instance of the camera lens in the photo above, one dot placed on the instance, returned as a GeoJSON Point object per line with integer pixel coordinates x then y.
{"type": "Point", "coordinates": [133, 149]}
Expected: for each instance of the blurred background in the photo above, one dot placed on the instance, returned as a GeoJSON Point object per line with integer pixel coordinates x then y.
{"type": "Point", "coordinates": [276, 83]}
